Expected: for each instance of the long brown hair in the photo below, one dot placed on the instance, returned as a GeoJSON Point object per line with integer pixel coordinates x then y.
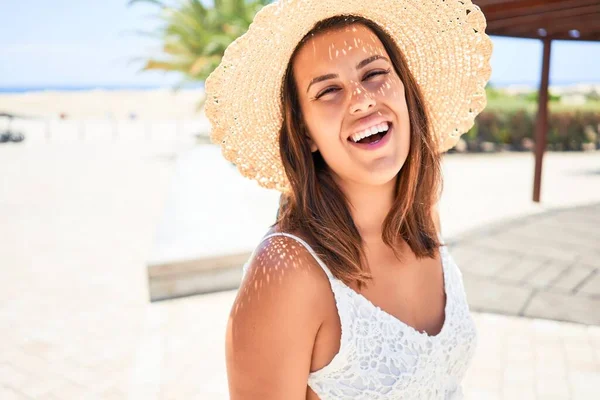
{"type": "Point", "coordinates": [317, 209]}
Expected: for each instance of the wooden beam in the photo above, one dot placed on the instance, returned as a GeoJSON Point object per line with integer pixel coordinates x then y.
{"type": "Point", "coordinates": [576, 22]}
{"type": "Point", "coordinates": [548, 16]}
{"type": "Point", "coordinates": [586, 23]}
{"type": "Point", "coordinates": [590, 37]}
{"type": "Point", "coordinates": [516, 8]}
{"type": "Point", "coordinates": [541, 125]}
{"type": "Point", "coordinates": [589, 23]}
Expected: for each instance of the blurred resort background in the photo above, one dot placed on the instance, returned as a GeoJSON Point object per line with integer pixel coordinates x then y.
{"type": "Point", "coordinates": [123, 230]}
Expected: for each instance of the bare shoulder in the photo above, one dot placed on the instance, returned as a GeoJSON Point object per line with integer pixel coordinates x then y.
{"type": "Point", "coordinates": [274, 321]}
{"type": "Point", "coordinates": [281, 262]}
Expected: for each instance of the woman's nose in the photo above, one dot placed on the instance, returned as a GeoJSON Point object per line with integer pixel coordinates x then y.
{"type": "Point", "coordinates": [361, 100]}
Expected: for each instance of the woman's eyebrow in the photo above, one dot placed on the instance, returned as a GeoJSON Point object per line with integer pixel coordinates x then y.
{"type": "Point", "coordinates": [370, 60]}
{"type": "Point", "coordinates": [360, 65]}
{"type": "Point", "coordinates": [321, 79]}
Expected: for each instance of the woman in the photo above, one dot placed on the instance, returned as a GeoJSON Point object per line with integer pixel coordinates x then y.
{"type": "Point", "coordinates": [346, 109]}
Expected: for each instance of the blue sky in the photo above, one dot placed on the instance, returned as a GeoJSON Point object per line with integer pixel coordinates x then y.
{"type": "Point", "coordinates": [84, 42]}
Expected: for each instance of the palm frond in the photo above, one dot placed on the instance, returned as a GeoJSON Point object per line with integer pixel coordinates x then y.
{"type": "Point", "coordinates": [195, 36]}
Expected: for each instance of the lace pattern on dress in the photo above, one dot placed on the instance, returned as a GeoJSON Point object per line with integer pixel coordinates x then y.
{"type": "Point", "coordinates": [381, 357]}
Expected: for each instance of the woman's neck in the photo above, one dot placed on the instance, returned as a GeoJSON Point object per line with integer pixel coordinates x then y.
{"type": "Point", "coordinates": [369, 206]}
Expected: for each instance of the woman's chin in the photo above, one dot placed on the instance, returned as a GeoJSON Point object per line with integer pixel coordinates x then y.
{"type": "Point", "coordinates": [376, 178]}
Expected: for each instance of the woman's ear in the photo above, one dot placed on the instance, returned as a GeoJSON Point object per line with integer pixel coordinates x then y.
{"type": "Point", "coordinates": [312, 144]}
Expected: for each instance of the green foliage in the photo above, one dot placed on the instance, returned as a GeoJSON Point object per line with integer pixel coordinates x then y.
{"type": "Point", "coordinates": [533, 97]}
{"type": "Point", "coordinates": [507, 103]}
{"type": "Point", "coordinates": [195, 36]}
{"type": "Point", "coordinates": [510, 120]}
{"type": "Point", "coordinates": [567, 129]}
{"type": "Point", "coordinates": [593, 96]}
{"type": "Point", "coordinates": [491, 92]}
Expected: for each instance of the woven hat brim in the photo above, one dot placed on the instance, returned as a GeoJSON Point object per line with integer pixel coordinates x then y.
{"type": "Point", "coordinates": [444, 43]}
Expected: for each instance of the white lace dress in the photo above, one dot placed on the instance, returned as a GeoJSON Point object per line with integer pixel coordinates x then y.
{"type": "Point", "coordinates": [381, 357]}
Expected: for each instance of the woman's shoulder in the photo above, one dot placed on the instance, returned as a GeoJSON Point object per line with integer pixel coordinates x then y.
{"type": "Point", "coordinates": [295, 240]}
{"type": "Point", "coordinates": [286, 253]}
{"type": "Point", "coordinates": [282, 267]}
{"type": "Point", "coordinates": [276, 316]}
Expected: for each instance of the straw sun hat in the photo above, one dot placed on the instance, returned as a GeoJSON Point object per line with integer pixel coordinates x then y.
{"type": "Point", "coordinates": [443, 41]}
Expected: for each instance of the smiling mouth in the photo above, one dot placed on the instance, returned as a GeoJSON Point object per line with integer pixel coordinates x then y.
{"type": "Point", "coordinates": [372, 139]}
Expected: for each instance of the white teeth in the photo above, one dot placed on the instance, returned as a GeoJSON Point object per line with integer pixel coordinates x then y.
{"type": "Point", "coordinates": [384, 126]}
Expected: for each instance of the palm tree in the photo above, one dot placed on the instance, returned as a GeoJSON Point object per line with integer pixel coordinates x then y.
{"type": "Point", "coordinates": [195, 36]}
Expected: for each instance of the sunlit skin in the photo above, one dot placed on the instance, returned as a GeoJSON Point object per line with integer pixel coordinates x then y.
{"type": "Point", "coordinates": [284, 322]}
{"type": "Point", "coordinates": [333, 108]}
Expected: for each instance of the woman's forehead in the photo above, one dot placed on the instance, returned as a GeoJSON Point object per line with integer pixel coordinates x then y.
{"type": "Point", "coordinates": [337, 44]}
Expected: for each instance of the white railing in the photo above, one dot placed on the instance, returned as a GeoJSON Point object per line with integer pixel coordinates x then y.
{"type": "Point", "coordinates": [40, 130]}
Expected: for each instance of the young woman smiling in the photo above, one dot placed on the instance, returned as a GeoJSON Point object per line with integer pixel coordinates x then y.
{"type": "Point", "coordinates": [346, 109]}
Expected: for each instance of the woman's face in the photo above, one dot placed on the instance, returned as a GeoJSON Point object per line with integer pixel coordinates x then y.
{"type": "Point", "coordinates": [347, 89]}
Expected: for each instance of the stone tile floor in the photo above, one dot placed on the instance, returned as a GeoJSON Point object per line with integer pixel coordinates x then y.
{"type": "Point", "coordinates": [545, 265]}
{"type": "Point", "coordinates": [77, 227]}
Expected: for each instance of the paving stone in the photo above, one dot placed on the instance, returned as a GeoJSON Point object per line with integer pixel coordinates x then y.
{"type": "Point", "coordinates": [585, 216]}
{"type": "Point", "coordinates": [591, 286]}
{"type": "Point", "coordinates": [572, 278]}
{"type": "Point", "coordinates": [549, 360]}
{"type": "Point", "coordinates": [555, 253]}
{"type": "Point", "coordinates": [485, 378]}
{"type": "Point", "coordinates": [571, 236]}
{"type": "Point", "coordinates": [496, 243]}
{"type": "Point", "coordinates": [68, 390]}
{"type": "Point", "coordinates": [476, 394]}
{"type": "Point", "coordinates": [546, 274]}
{"type": "Point", "coordinates": [520, 376]}
{"type": "Point", "coordinates": [39, 387]}
{"type": "Point", "coordinates": [552, 387]}
{"type": "Point", "coordinates": [12, 377]}
{"type": "Point", "coordinates": [113, 394]}
{"type": "Point", "coordinates": [593, 334]}
{"type": "Point", "coordinates": [511, 392]}
{"type": "Point", "coordinates": [584, 385]}
{"type": "Point", "coordinates": [573, 332]}
{"type": "Point", "coordinates": [591, 258]}
{"type": "Point", "coordinates": [564, 308]}
{"type": "Point", "coordinates": [544, 233]}
{"type": "Point", "coordinates": [552, 253]}
{"type": "Point", "coordinates": [580, 357]}
{"type": "Point", "coordinates": [487, 295]}
{"type": "Point", "coordinates": [9, 394]}
{"type": "Point", "coordinates": [569, 228]}
{"type": "Point", "coordinates": [522, 268]}
{"type": "Point", "coordinates": [519, 355]}
{"type": "Point", "coordinates": [488, 264]}
{"type": "Point", "coordinates": [533, 248]}
{"type": "Point", "coordinates": [464, 257]}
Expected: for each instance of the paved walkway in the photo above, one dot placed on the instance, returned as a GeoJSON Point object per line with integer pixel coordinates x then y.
{"type": "Point", "coordinates": [545, 265]}
{"type": "Point", "coordinates": [78, 225]}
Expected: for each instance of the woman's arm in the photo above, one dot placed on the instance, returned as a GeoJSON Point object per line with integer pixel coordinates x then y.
{"type": "Point", "coordinates": [273, 324]}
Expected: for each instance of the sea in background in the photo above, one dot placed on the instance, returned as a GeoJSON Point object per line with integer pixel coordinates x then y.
{"type": "Point", "coordinates": [85, 88]}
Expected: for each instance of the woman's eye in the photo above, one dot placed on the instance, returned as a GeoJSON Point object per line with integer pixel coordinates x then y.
{"type": "Point", "coordinates": [367, 76]}
{"type": "Point", "coordinates": [328, 90]}
{"type": "Point", "coordinates": [379, 72]}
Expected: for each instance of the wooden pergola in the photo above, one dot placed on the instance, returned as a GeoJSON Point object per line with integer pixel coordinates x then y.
{"type": "Point", "coordinates": [545, 20]}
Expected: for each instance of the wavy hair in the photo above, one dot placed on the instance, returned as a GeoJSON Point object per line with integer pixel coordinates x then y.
{"type": "Point", "coordinates": [317, 209]}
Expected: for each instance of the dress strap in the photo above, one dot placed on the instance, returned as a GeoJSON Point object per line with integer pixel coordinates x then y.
{"type": "Point", "coordinates": [307, 246]}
